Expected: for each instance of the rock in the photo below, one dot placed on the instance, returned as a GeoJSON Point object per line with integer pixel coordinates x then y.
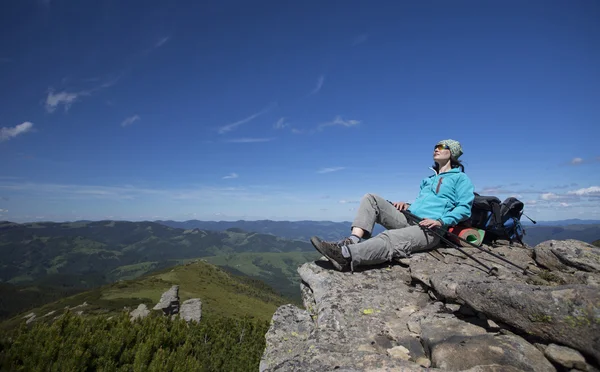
{"type": "Point", "coordinates": [565, 357]}
{"type": "Point", "coordinates": [571, 253]}
{"type": "Point", "coordinates": [28, 316]}
{"type": "Point", "coordinates": [191, 310]}
{"type": "Point", "coordinates": [441, 311]}
{"type": "Point", "coordinates": [140, 313]}
{"type": "Point", "coordinates": [492, 326]}
{"type": "Point", "coordinates": [565, 314]}
{"type": "Point", "coordinates": [463, 352]}
{"type": "Point", "coordinates": [453, 307]}
{"type": "Point", "coordinates": [31, 319]}
{"type": "Point", "coordinates": [399, 352]}
{"type": "Point", "coordinates": [351, 321]}
{"type": "Point", "coordinates": [169, 301]}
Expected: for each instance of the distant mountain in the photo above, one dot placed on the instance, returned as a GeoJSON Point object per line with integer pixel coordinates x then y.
{"type": "Point", "coordinates": [537, 234]}
{"type": "Point", "coordinates": [296, 230]}
{"type": "Point", "coordinates": [572, 221]}
{"type": "Point", "coordinates": [303, 230]}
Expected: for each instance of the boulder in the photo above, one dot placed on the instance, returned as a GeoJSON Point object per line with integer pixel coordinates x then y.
{"type": "Point", "coordinates": [169, 301]}
{"type": "Point", "coordinates": [140, 313]}
{"type": "Point", "coordinates": [191, 310]}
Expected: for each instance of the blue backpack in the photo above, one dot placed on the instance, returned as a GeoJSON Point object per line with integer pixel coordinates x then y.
{"type": "Point", "coordinates": [499, 220]}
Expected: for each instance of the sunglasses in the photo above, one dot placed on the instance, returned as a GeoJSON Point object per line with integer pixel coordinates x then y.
{"type": "Point", "coordinates": [441, 147]}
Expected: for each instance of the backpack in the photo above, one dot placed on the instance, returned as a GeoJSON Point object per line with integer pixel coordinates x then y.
{"type": "Point", "coordinates": [499, 220]}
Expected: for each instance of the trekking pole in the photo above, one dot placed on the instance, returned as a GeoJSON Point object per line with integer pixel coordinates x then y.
{"type": "Point", "coordinates": [491, 270]}
{"type": "Point", "coordinates": [417, 218]}
{"type": "Point", "coordinates": [529, 218]}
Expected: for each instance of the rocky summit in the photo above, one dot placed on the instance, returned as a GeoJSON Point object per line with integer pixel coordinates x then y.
{"type": "Point", "coordinates": [442, 311]}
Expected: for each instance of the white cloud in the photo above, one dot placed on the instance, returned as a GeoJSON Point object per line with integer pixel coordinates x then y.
{"type": "Point", "coordinates": [593, 190]}
{"type": "Point", "coordinates": [130, 120]}
{"type": "Point", "coordinates": [349, 201]}
{"type": "Point", "coordinates": [249, 140]}
{"type": "Point", "coordinates": [7, 133]}
{"type": "Point", "coordinates": [161, 42]}
{"type": "Point", "coordinates": [61, 98]}
{"type": "Point", "coordinates": [297, 131]}
{"type": "Point", "coordinates": [564, 204]}
{"type": "Point", "coordinates": [549, 196]}
{"type": "Point", "coordinates": [576, 161]}
{"type": "Point", "coordinates": [339, 121]}
{"type": "Point", "coordinates": [3, 210]}
{"type": "Point", "coordinates": [229, 127]}
{"type": "Point", "coordinates": [319, 85]}
{"type": "Point", "coordinates": [231, 176]}
{"type": "Point", "coordinates": [281, 123]}
{"type": "Point", "coordinates": [65, 98]}
{"type": "Point", "coordinates": [329, 170]}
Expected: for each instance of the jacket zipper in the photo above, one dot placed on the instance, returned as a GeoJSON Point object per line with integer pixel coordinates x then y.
{"type": "Point", "coordinates": [437, 189]}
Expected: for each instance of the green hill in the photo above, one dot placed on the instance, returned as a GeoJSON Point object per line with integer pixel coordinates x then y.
{"type": "Point", "coordinates": [222, 294]}
{"type": "Point", "coordinates": [279, 270]}
{"type": "Point", "coordinates": [45, 261]}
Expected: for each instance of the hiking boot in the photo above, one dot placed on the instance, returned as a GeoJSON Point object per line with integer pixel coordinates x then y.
{"type": "Point", "coordinates": [333, 252]}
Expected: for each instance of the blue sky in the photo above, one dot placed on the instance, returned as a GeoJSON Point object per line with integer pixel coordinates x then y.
{"type": "Point", "coordinates": [222, 110]}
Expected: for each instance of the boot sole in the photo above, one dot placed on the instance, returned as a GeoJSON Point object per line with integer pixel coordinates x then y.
{"type": "Point", "coordinates": [316, 242]}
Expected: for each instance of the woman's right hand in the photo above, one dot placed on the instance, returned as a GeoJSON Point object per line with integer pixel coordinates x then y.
{"type": "Point", "coordinates": [401, 206]}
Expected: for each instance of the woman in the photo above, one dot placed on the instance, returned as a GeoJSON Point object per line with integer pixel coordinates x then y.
{"type": "Point", "coordinates": [444, 200]}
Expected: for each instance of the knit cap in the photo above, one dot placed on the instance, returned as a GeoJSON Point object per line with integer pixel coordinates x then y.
{"type": "Point", "coordinates": [455, 147]}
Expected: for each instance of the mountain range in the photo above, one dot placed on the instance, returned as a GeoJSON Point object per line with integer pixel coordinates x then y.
{"type": "Point", "coordinates": [584, 230]}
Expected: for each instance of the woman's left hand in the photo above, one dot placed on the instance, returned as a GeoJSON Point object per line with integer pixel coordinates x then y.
{"type": "Point", "coordinates": [426, 222]}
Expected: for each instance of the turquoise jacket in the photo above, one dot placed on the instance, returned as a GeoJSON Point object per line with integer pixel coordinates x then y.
{"type": "Point", "coordinates": [447, 196]}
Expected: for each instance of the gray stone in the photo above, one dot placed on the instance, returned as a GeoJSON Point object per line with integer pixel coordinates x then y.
{"type": "Point", "coordinates": [191, 310]}
{"type": "Point", "coordinates": [393, 317]}
{"type": "Point", "coordinates": [569, 315]}
{"type": "Point", "coordinates": [140, 313]}
{"type": "Point", "coordinates": [459, 353]}
{"type": "Point", "coordinates": [169, 301]}
{"type": "Point", "coordinates": [565, 357]}
{"type": "Point", "coordinates": [559, 254]}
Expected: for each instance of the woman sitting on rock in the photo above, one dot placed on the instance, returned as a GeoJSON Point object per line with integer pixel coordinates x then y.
{"type": "Point", "coordinates": [445, 199]}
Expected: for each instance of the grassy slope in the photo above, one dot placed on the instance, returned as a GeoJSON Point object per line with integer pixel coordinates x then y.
{"type": "Point", "coordinates": [279, 270]}
{"type": "Point", "coordinates": [221, 293]}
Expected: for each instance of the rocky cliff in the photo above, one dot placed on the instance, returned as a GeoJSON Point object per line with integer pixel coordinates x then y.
{"type": "Point", "coordinates": [441, 311]}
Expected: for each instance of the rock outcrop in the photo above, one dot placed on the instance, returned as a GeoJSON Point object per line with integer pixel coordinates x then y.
{"type": "Point", "coordinates": [441, 311]}
{"type": "Point", "coordinates": [190, 310]}
{"type": "Point", "coordinates": [169, 301]}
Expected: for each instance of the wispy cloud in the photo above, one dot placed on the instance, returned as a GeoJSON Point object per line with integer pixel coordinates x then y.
{"type": "Point", "coordinates": [339, 121]}
{"type": "Point", "coordinates": [249, 140]}
{"type": "Point", "coordinates": [549, 196]}
{"type": "Point", "coordinates": [7, 133]}
{"type": "Point", "coordinates": [360, 39]}
{"type": "Point", "coordinates": [231, 176]}
{"type": "Point", "coordinates": [349, 201]}
{"type": "Point", "coordinates": [130, 120]}
{"type": "Point", "coordinates": [297, 131]}
{"type": "Point", "coordinates": [590, 191]}
{"type": "Point", "coordinates": [576, 161]}
{"type": "Point", "coordinates": [319, 85]}
{"type": "Point", "coordinates": [66, 98]}
{"type": "Point", "coordinates": [53, 100]}
{"type": "Point", "coordinates": [329, 170]}
{"type": "Point", "coordinates": [162, 41]}
{"type": "Point", "coordinates": [281, 123]}
{"type": "Point", "coordinates": [229, 127]}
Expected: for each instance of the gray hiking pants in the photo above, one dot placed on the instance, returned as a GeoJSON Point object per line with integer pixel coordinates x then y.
{"type": "Point", "coordinates": [401, 238]}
